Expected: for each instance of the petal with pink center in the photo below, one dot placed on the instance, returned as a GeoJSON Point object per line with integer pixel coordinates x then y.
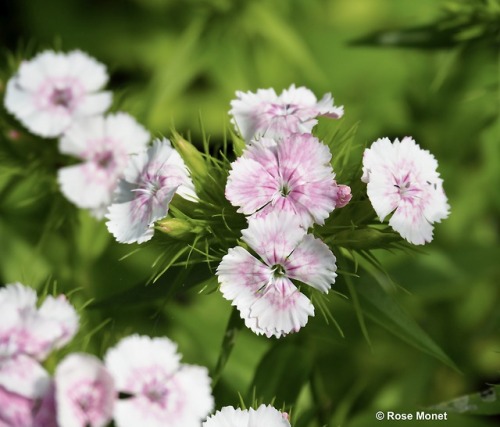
{"type": "Point", "coordinates": [241, 276]}
{"type": "Point", "coordinates": [274, 236]}
{"type": "Point", "coordinates": [24, 376]}
{"type": "Point", "coordinates": [91, 73]}
{"type": "Point", "coordinates": [313, 263]}
{"type": "Point", "coordinates": [85, 392]}
{"type": "Point", "coordinates": [250, 186]}
{"type": "Point", "coordinates": [15, 410]}
{"type": "Point", "coordinates": [278, 309]}
{"type": "Point", "coordinates": [409, 221]}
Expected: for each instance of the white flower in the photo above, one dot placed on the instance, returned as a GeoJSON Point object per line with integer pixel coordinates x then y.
{"type": "Point", "coordinates": [51, 90]}
{"type": "Point", "coordinates": [293, 174]}
{"type": "Point", "coordinates": [104, 144]}
{"type": "Point", "coordinates": [403, 178]}
{"type": "Point", "coordinates": [25, 329]}
{"type": "Point", "coordinates": [266, 114]}
{"type": "Point", "coordinates": [263, 416]}
{"type": "Point", "coordinates": [162, 391]}
{"type": "Point", "coordinates": [143, 196]}
{"type": "Point", "coordinates": [85, 392]}
{"type": "Point", "coordinates": [262, 289]}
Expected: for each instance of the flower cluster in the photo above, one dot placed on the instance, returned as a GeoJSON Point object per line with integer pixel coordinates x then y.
{"type": "Point", "coordinates": [54, 95]}
{"type": "Point", "coordinates": [159, 389]}
{"type": "Point", "coordinates": [284, 183]}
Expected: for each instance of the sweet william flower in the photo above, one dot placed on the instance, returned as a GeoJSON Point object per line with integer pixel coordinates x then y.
{"type": "Point", "coordinates": [162, 392]}
{"type": "Point", "coordinates": [264, 113]}
{"type": "Point", "coordinates": [402, 179]}
{"type": "Point", "coordinates": [295, 110]}
{"type": "Point", "coordinates": [85, 392]}
{"type": "Point", "coordinates": [28, 330]}
{"type": "Point", "coordinates": [104, 145]}
{"type": "Point", "coordinates": [53, 89]}
{"type": "Point", "coordinates": [262, 289]}
{"type": "Point", "coordinates": [294, 175]}
{"type": "Point", "coordinates": [143, 196]}
{"type": "Point", "coordinates": [262, 416]}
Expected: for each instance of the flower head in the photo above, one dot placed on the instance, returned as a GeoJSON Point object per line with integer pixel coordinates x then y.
{"type": "Point", "coordinates": [262, 289]}
{"type": "Point", "coordinates": [104, 145]}
{"type": "Point", "coordinates": [143, 196]}
{"type": "Point", "coordinates": [266, 114]}
{"type": "Point", "coordinates": [162, 391]}
{"type": "Point", "coordinates": [262, 416]}
{"type": "Point", "coordinates": [85, 392]}
{"type": "Point", "coordinates": [294, 175]}
{"type": "Point", "coordinates": [26, 329]}
{"type": "Point", "coordinates": [403, 178]}
{"type": "Point", "coordinates": [53, 89]}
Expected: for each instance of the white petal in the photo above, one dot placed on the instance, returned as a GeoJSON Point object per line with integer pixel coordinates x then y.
{"type": "Point", "coordinates": [228, 417]}
{"type": "Point", "coordinates": [312, 263]}
{"type": "Point", "coordinates": [86, 186]}
{"type": "Point", "coordinates": [90, 72]}
{"type": "Point", "coordinates": [278, 310]}
{"type": "Point", "coordinates": [136, 354]}
{"type": "Point", "coordinates": [95, 103]}
{"type": "Point", "coordinates": [24, 376]}
{"type": "Point", "coordinates": [84, 392]}
{"type": "Point", "coordinates": [275, 236]}
{"type": "Point", "coordinates": [241, 276]}
{"type": "Point", "coordinates": [18, 101]}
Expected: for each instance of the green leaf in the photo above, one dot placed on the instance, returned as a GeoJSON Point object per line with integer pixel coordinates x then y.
{"type": "Point", "coordinates": [383, 309]}
{"type": "Point", "coordinates": [282, 373]}
{"type": "Point", "coordinates": [486, 402]}
{"type": "Point", "coordinates": [234, 325]}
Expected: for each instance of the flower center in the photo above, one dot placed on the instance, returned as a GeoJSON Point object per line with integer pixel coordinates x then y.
{"type": "Point", "coordinates": [156, 393]}
{"type": "Point", "coordinates": [104, 160]}
{"type": "Point", "coordinates": [285, 189]}
{"type": "Point", "coordinates": [278, 270]}
{"type": "Point", "coordinates": [62, 97]}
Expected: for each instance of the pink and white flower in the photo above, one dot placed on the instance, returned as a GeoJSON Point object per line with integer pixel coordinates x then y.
{"type": "Point", "coordinates": [28, 330]}
{"type": "Point", "coordinates": [403, 178]}
{"type": "Point", "coordinates": [266, 114]}
{"type": "Point", "coordinates": [294, 175]}
{"type": "Point", "coordinates": [262, 416]}
{"type": "Point", "coordinates": [143, 196]}
{"type": "Point", "coordinates": [262, 289]}
{"type": "Point", "coordinates": [53, 89]}
{"type": "Point", "coordinates": [162, 391]}
{"type": "Point", "coordinates": [85, 392]}
{"type": "Point", "coordinates": [104, 144]}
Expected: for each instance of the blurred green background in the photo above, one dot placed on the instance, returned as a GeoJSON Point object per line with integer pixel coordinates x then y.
{"type": "Point", "coordinates": [174, 61]}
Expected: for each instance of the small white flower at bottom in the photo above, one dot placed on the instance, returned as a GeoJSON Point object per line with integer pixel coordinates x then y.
{"type": "Point", "coordinates": [161, 392]}
{"type": "Point", "coordinates": [53, 89]}
{"type": "Point", "coordinates": [403, 178]}
{"type": "Point", "coordinates": [262, 416]}
{"type": "Point", "coordinates": [143, 196]}
{"type": "Point", "coordinates": [85, 392]}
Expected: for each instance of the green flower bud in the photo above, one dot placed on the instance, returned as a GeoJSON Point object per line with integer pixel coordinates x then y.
{"type": "Point", "coordinates": [177, 228]}
{"type": "Point", "coordinates": [192, 157]}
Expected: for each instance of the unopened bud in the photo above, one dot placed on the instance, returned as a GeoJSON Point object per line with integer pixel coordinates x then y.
{"type": "Point", "coordinates": [178, 228]}
{"type": "Point", "coordinates": [343, 196]}
{"type": "Point", "coordinates": [192, 157]}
